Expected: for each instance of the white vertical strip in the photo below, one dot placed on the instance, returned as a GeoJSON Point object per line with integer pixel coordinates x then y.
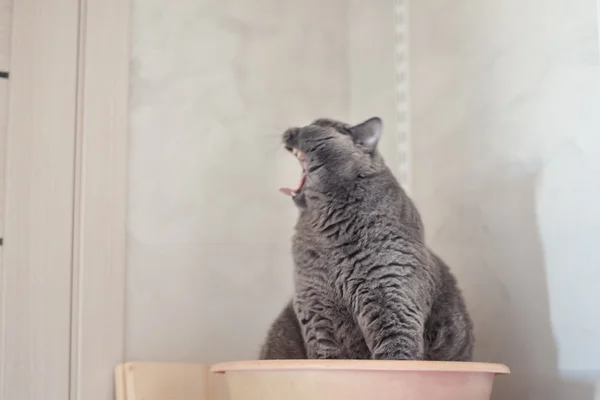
{"type": "Point", "coordinates": [5, 15]}
{"type": "Point", "coordinates": [75, 271]}
{"type": "Point", "coordinates": [99, 245]}
{"type": "Point", "coordinates": [35, 284]}
{"type": "Point", "coordinates": [403, 142]}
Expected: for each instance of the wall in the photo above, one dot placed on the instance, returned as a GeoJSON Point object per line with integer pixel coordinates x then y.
{"type": "Point", "coordinates": [505, 131]}
{"type": "Point", "coordinates": [214, 84]}
{"type": "Point", "coordinates": [506, 134]}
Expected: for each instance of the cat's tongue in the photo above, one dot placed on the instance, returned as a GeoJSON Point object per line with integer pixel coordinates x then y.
{"type": "Point", "coordinates": [292, 192]}
{"type": "Point", "coordinates": [287, 191]}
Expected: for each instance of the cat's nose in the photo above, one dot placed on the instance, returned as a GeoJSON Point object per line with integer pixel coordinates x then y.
{"type": "Point", "coordinates": [290, 138]}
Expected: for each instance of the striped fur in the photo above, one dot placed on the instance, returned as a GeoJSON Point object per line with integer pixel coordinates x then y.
{"type": "Point", "coordinates": [366, 285]}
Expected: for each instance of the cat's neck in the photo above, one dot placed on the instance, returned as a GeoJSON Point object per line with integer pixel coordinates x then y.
{"type": "Point", "coordinates": [366, 199]}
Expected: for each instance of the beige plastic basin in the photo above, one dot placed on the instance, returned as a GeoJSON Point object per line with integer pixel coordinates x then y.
{"type": "Point", "coordinates": [352, 379]}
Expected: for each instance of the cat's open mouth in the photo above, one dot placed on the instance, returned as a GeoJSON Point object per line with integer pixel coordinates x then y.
{"type": "Point", "coordinates": [302, 158]}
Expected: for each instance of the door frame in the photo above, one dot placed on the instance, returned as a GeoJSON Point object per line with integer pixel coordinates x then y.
{"type": "Point", "coordinates": [62, 281]}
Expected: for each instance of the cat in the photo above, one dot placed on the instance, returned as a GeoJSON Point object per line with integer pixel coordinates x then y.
{"type": "Point", "coordinates": [366, 285]}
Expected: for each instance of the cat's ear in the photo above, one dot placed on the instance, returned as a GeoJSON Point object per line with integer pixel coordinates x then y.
{"type": "Point", "coordinates": [367, 134]}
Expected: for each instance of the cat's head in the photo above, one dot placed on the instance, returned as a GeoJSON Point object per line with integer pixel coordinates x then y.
{"type": "Point", "coordinates": [333, 155]}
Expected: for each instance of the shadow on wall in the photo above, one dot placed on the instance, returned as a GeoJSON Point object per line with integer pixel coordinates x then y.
{"type": "Point", "coordinates": [493, 104]}
{"type": "Point", "coordinates": [493, 246]}
{"type": "Point", "coordinates": [522, 336]}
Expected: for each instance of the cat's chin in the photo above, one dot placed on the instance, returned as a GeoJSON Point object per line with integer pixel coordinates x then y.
{"type": "Point", "coordinates": [300, 200]}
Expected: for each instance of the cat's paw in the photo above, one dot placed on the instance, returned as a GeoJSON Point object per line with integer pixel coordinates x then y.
{"type": "Point", "coordinates": [401, 353]}
{"type": "Point", "coordinates": [399, 349]}
{"type": "Point", "coordinates": [328, 354]}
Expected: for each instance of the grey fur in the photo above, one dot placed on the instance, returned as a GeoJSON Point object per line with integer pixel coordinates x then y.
{"type": "Point", "coordinates": [284, 340]}
{"type": "Point", "coordinates": [367, 287]}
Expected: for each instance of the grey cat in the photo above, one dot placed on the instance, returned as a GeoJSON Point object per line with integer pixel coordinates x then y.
{"type": "Point", "coordinates": [366, 285]}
